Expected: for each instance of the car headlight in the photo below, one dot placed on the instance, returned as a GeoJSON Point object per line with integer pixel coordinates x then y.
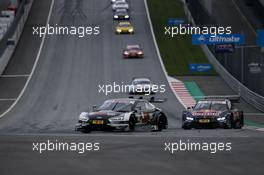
{"type": "Point", "coordinates": [119, 30]}
{"type": "Point", "coordinates": [115, 16]}
{"type": "Point", "coordinates": [190, 118]}
{"type": "Point", "coordinates": [126, 16]}
{"type": "Point", "coordinates": [126, 53]}
{"type": "Point", "coordinates": [131, 30]}
{"type": "Point", "coordinates": [221, 118]}
{"type": "Point", "coordinates": [83, 118]}
{"type": "Point", "coordinates": [117, 118]}
{"type": "Point", "coordinates": [140, 52]}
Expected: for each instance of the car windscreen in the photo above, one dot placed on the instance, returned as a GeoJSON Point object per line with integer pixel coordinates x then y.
{"type": "Point", "coordinates": [123, 107]}
{"type": "Point", "coordinates": [202, 105]}
{"type": "Point", "coordinates": [208, 105]}
{"type": "Point", "coordinates": [121, 3]}
{"type": "Point", "coordinates": [119, 106]}
{"type": "Point", "coordinates": [218, 106]}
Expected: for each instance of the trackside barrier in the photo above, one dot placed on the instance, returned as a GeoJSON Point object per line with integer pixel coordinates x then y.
{"type": "Point", "coordinates": [249, 96]}
{"type": "Point", "coordinates": [6, 19]}
{"type": "Point", "coordinates": [11, 29]}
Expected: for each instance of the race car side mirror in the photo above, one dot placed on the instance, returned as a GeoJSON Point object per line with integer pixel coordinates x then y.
{"type": "Point", "coordinates": [190, 108]}
{"type": "Point", "coordinates": [94, 107]}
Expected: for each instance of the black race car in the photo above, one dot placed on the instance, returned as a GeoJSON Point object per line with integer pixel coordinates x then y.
{"type": "Point", "coordinates": [121, 14]}
{"type": "Point", "coordinates": [123, 114]}
{"type": "Point", "coordinates": [213, 113]}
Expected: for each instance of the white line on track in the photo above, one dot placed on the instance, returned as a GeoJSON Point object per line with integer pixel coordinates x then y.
{"type": "Point", "coordinates": [260, 129]}
{"type": "Point", "coordinates": [14, 76]}
{"type": "Point", "coordinates": [34, 66]}
{"type": "Point", "coordinates": [7, 99]}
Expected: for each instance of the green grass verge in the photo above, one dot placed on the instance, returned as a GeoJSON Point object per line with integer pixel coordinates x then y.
{"type": "Point", "coordinates": [194, 90]}
{"type": "Point", "coordinates": [254, 124]}
{"type": "Point", "coordinates": [177, 52]}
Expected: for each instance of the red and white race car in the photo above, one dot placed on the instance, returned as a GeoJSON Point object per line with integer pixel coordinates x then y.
{"type": "Point", "coordinates": [133, 51]}
{"type": "Point", "coordinates": [215, 112]}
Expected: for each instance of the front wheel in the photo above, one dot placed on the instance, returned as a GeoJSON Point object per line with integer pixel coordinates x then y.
{"type": "Point", "coordinates": [186, 127]}
{"type": "Point", "coordinates": [228, 124]}
{"type": "Point", "coordinates": [86, 131]}
{"type": "Point", "coordinates": [132, 123]}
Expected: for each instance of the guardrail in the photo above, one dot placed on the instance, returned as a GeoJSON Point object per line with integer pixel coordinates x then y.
{"type": "Point", "coordinates": [249, 96]}
{"type": "Point", "coordinates": [11, 37]}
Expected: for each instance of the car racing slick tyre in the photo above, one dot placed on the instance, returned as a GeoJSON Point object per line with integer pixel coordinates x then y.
{"type": "Point", "coordinates": [86, 131]}
{"type": "Point", "coordinates": [131, 123]}
{"type": "Point", "coordinates": [161, 122]}
{"type": "Point", "coordinates": [186, 127]}
{"type": "Point", "coordinates": [237, 124]}
{"type": "Point", "coordinates": [228, 124]}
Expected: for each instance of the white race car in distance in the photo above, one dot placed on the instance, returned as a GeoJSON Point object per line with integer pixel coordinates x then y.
{"type": "Point", "coordinates": [141, 86]}
{"type": "Point", "coordinates": [120, 5]}
{"type": "Point", "coordinates": [117, 1]}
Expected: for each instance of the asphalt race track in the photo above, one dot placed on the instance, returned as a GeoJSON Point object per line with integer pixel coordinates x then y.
{"type": "Point", "coordinates": [70, 69]}
{"type": "Point", "coordinates": [65, 83]}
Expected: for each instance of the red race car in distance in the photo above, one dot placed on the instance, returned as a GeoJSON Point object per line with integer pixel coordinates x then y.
{"type": "Point", "coordinates": [133, 51]}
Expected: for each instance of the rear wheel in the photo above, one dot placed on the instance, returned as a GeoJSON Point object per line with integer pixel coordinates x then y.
{"type": "Point", "coordinates": [237, 124]}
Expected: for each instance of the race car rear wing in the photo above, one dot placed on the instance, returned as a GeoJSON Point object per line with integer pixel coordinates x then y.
{"type": "Point", "coordinates": [157, 100]}
{"type": "Point", "coordinates": [232, 98]}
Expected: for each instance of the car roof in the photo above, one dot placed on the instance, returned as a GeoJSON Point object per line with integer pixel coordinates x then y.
{"type": "Point", "coordinates": [141, 79]}
{"type": "Point", "coordinates": [133, 46]}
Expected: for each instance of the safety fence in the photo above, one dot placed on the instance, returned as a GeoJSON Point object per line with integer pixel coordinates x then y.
{"type": "Point", "coordinates": [248, 95]}
{"type": "Point", "coordinates": [11, 36]}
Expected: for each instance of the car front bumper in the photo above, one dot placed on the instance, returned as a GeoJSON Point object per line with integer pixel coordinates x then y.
{"type": "Point", "coordinates": [124, 32]}
{"type": "Point", "coordinates": [133, 55]}
{"type": "Point", "coordinates": [118, 125]}
{"type": "Point", "coordinates": [211, 123]}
